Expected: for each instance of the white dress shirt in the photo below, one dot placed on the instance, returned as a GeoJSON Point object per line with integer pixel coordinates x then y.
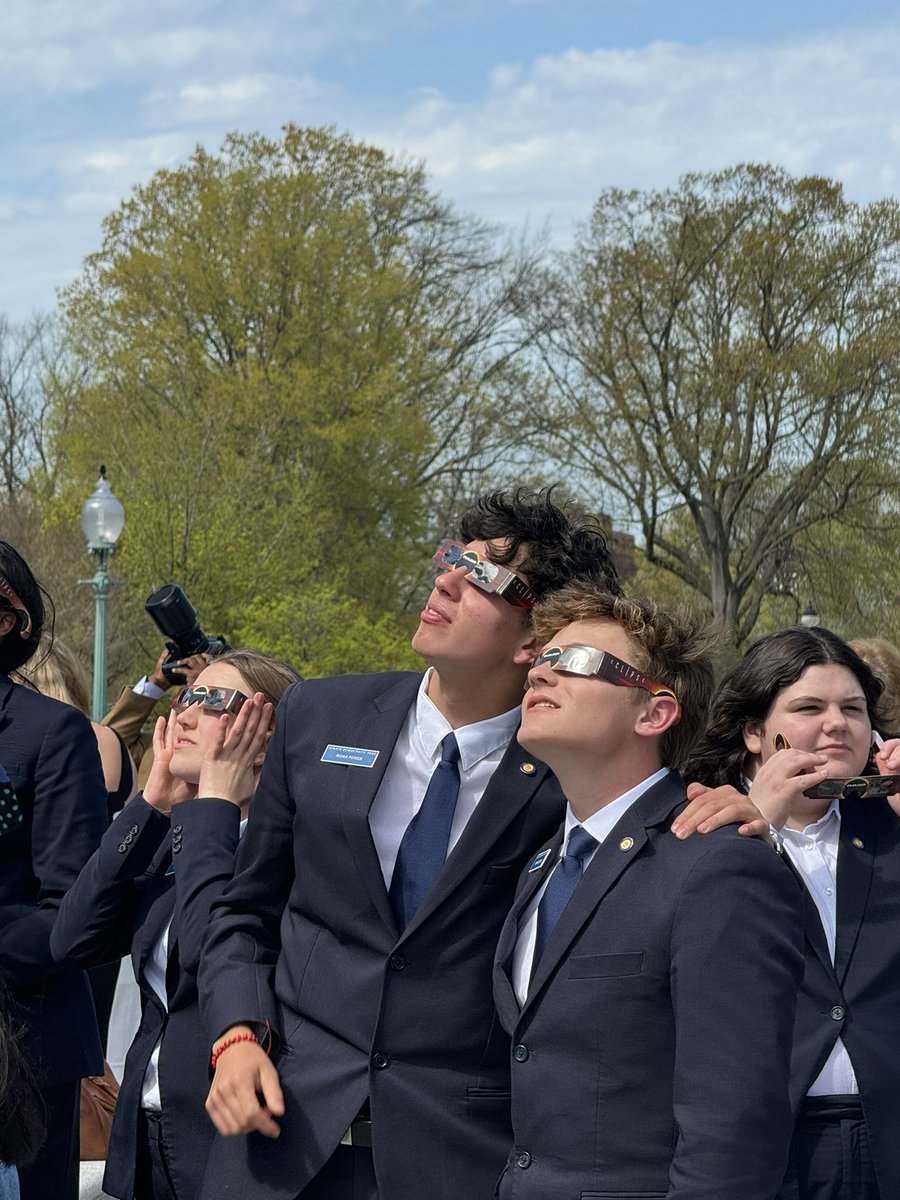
{"type": "Point", "coordinates": [416, 754]}
{"type": "Point", "coordinates": [144, 687]}
{"type": "Point", "coordinates": [814, 852]}
{"type": "Point", "coordinates": [155, 975]}
{"type": "Point", "coordinates": [599, 825]}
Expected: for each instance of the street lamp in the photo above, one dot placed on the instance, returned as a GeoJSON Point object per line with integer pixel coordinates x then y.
{"type": "Point", "coordinates": [102, 518]}
{"type": "Point", "coordinates": [809, 618]}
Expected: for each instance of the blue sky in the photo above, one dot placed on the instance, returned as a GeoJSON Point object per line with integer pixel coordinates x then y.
{"type": "Point", "coordinates": [523, 110]}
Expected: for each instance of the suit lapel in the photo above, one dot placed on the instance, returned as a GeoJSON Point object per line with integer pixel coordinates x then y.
{"type": "Point", "coordinates": [378, 729]}
{"type": "Point", "coordinates": [619, 850]}
{"type": "Point", "coordinates": [856, 861]}
{"type": "Point", "coordinates": [508, 791]}
{"type": "Point", "coordinates": [158, 906]}
{"type": "Point", "coordinates": [812, 922]}
{"type": "Point", "coordinates": [535, 876]}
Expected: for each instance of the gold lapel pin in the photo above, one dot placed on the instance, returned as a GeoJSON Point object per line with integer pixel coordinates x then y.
{"type": "Point", "coordinates": [858, 843]}
{"type": "Point", "coordinates": [528, 768]}
{"type": "Point", "coordinates": [626, 843]}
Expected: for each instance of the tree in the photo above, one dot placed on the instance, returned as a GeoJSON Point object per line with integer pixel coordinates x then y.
{"type": "Point", "coordinates": [725, 363]}
{"type": "Point", "coordinates": [289, 347]}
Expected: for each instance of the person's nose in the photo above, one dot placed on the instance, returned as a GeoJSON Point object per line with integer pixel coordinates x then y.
{"type": "Point", "coordinates": [450, 583]}
{"type": "Point", "coordinates": [834, 718]}
{"type": "Point", "coordinates": [187, 718]}
{"type": "Point", "coordinates": [541, 676]}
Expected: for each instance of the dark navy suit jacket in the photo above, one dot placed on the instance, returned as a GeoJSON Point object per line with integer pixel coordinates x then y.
{"type": "Point", "coordinates": [858, 998]}
{"type": "Point", "coordinates": [150, 870]}
{"type": "Point", "coordinates": [50, 754]}
{"type": "Point", "coordinates": [304, 937]}
{"type": "Point", "coordinates": [651, 1057]}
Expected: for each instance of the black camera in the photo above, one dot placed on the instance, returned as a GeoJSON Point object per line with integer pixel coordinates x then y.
{"type": "Point", "coordinates": [175, 617]}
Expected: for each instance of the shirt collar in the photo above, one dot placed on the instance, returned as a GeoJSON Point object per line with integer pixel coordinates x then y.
{"type": "Point", "coordinates": [824, 829]}
{"type": "Point", "coordinates": [600, 823]}
{"type": "Point", "coordinates": [475, 741]}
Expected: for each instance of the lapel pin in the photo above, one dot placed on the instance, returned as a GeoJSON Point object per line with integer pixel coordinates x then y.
{"type": "Point", "coordinates": [539, 861]}
{"type": "Point", "coordinates": [626, 843]}
{"type": "Point", "coordinates": [859, 843]}
{"type": "Point", "coordinates": [528, 768]}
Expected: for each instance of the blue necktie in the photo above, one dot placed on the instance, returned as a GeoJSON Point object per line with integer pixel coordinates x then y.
{"type": "Point", "coordinates": [424, 846]}
{"type": "Point", "coordinates": [560, 886]}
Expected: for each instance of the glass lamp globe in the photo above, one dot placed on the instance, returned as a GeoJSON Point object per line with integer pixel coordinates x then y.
{"type": "Point", "coordinates": [102, 516]}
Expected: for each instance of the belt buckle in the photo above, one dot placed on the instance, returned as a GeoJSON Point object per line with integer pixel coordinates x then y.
{"type": "Point", "coordinates": [359, 1133]}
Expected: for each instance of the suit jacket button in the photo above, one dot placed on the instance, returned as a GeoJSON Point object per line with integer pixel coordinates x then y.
{"type": "Point", "coordinates": [380, 1061]}
{"type": "Point", "coordinates": [837, 1013]}
{"type": "Point", "coordinates": [176, 828]}
{"type": "Point", "coordinates": [128, 839]}
{"type": "Point", "coordinates": [398, 962]}
{"type": "Point", "coordinates": [135, 829]}
{"type": "Point", "coordinates": [520, 1053]}
{"type": "Point", "coordinates": [523, 1160]}
{"type": "Point", "coordinates": [121, 847]}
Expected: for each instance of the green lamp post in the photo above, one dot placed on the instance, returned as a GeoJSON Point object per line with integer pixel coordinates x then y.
{"type": "Point", "coordinates": [102, 518]}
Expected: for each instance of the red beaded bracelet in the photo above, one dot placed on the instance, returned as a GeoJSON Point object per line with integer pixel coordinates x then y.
{"type": "Point", "coordinates": [238, 1037]}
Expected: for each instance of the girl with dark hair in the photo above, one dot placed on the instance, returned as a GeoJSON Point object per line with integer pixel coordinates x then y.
{"type": "Point", "coordinates": [52, 816]}
{"type": "Point", "coordinates": [148, 892]}
{"type": "Point", "coordinates": [797, 710]}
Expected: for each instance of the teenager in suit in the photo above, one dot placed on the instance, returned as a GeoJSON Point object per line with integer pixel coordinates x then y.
{"type": "Point", "coordinates": [798, 709]}
{"type": "Point", "coordinates": [648, 983]}
{"type": "Point", "coordinates": [52, 816]}
{"type": "Point", "coordinates": [147, 891]}
{"type": "Point", "coordinates": [347, 933]}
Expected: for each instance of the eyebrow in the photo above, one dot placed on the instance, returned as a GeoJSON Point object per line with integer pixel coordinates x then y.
{"type": "Point", "coordinates": [821, 700]}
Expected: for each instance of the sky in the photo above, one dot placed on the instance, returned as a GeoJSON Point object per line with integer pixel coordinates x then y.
{"type": "Point", "coordinates": [523, 111]}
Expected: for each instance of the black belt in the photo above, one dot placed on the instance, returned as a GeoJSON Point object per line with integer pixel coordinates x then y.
{"type": "Point", "coordinates": [831, 1108]}
{"type": "Point", "coordinates": [153, 1122]}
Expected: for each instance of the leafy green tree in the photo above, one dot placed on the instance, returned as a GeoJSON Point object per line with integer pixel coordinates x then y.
{"type": "Point", "coordinates": [726, 358]}
{"type": "Point", "coordinates": [297, 357]}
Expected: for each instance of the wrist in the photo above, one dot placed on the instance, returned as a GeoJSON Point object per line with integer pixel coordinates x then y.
{"type": "Point", "coordinates": [261, 1036]}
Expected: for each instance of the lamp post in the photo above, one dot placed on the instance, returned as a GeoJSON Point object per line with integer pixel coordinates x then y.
{"type": "Point", "coordinates": [809, 618]}
{"type": "Point", "coordinates": [102, 518]}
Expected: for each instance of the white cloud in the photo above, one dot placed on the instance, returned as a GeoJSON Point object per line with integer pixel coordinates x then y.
{"type": "Point", "coordinates": [95, 104]}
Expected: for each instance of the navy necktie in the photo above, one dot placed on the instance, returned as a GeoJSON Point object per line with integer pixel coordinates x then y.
{"type": "Point", "coordinates": [560, 886]}
{"type": "Point", "coordinates": [424, 846]}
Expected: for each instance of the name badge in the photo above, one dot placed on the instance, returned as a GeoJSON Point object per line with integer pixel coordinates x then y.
{"type": "Point", "coordinates": [350, 756]}
{"type": "Point", "coordinates": [539, 861]}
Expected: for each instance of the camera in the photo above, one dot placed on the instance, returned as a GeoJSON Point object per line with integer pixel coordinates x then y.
{"type": "Point", "coordinates": [175, 618]}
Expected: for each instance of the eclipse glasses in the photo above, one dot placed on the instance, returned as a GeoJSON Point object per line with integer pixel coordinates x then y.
{"type": "Point", "coordinates": [487, 575]}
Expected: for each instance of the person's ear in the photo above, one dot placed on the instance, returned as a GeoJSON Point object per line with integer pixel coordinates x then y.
{"type": "Point", "coordinates": [8, 621]}
{"type": "Point", "coordinates": [655, 717]}
{"type": "Point", "coordinates": [753, 736]}
{"type": "Point", "coordinates": [527, 649]}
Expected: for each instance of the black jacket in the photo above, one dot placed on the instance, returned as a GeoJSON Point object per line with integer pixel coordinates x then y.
{"type": "Point", "coordinates": [150, 870]}
{"type": "Point", "coordinates": [304, 936]}
{"type": "Point", "coordinates": [49, 751]}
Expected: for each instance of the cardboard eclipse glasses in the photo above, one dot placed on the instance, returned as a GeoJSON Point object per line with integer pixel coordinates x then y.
{"type": "Point", "coordinates": [484, 574]}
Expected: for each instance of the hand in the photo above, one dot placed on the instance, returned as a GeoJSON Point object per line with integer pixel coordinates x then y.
{"type": "Point", "coordinates": [887, 760]}
{"type": "Point", "coordinates": [710, 808]}
{"type": "Point", "coordinates": [246, 1094]}
{"type": "Point", "coordinates": [191, 667]}
{"type": "Point", "coordinates": [162, 790]}
{"type": "Point", "coordinates": [233, 756]}
{"type": "Point", "coordinates": [157, 677]}
{"type": "Point", "coordinates": [782, 780]}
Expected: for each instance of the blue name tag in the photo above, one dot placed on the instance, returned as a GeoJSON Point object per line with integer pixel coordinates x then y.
{"type": "Point", "coordinates": [539, 861]}
{"type": "Point", "coordinates": [350, 756]}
